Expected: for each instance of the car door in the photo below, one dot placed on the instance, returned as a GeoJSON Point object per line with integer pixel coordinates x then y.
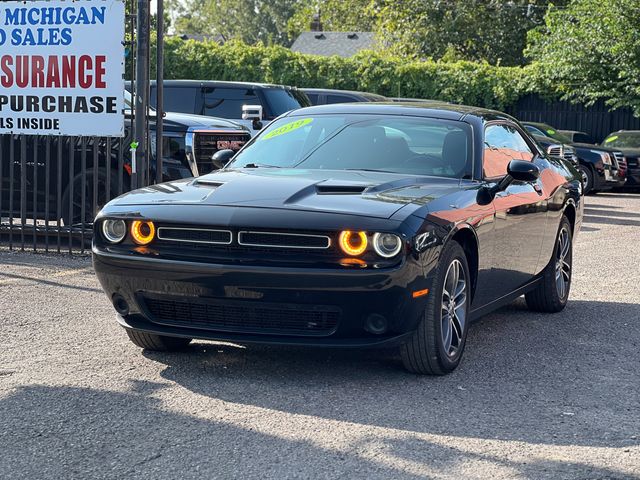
{"type": "Point", "coordinates": [520, 209]}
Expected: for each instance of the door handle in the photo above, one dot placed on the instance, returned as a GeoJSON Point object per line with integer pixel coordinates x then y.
{"type": "Point", "coordinates": [537, 188]}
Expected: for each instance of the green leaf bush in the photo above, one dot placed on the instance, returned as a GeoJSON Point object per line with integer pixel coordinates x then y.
{"type": "Point", "coordinates": [465, 82]}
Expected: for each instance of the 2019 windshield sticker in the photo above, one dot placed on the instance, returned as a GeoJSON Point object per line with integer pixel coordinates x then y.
{"type": "Point", "coordinates": [611, 139]}
{"type": "Point", "coordinates": [288, 127]}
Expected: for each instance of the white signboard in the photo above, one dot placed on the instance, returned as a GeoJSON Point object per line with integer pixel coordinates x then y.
{"type": "Point", "coordinates": [61, 67]}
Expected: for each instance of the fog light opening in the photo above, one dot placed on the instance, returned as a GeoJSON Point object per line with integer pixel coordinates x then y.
{"type": "Point", "coordinates": [376, 324]}
{"type": "Point", "coordinates": [120, 304]}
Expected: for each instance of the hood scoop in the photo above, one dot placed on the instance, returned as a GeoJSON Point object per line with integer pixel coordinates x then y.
{"type": "Point", "coordinates": [340, 189]}
{"type": "Point", "coordinates": [208, 183]}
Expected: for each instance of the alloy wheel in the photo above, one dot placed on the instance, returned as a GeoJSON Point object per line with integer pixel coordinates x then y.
{"type": "Point", "coordinates": [563, 262]}
{"type": "Point", "coordinates": [454, 310]}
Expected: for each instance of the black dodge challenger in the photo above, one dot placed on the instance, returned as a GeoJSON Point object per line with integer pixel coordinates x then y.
{"type": "Point", "coordinates": [347, 225]}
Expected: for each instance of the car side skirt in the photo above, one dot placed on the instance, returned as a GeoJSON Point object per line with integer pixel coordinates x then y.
{"type": "Point", "coordinates": [505, 300]}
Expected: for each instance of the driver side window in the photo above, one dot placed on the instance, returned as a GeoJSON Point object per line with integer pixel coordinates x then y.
{"type": "Point", "coordinates": [503, 143]}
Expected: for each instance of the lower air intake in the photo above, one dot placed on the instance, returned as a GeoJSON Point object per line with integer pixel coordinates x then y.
{"type": "Point", "coordinates": [238, 316]}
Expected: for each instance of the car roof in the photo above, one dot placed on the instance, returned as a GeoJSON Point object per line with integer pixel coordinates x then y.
{"type": "Point", "coordinates": [373, 96]}
{"type": "Point", "coordinates": [218, 83]}
{"type": "Point", "coordinates": [426, 109]}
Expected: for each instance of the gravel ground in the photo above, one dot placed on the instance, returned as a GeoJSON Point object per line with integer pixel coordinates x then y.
{"type": "Point", "coordinates": [536, 396]}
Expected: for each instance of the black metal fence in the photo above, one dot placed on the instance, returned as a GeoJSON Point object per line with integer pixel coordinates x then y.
{"type": "Point", "coordinates": [52, 187]}
{"type": "Point", "coordinates": [597, 120]}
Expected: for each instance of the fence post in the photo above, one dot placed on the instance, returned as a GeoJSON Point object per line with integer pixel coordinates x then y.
{"type": "Point", "coordinates": [142, 91]}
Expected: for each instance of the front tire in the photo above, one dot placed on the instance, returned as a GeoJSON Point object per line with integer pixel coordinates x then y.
{"type": "Point", "coordinates": [436, 347]}
{"type": "Point", "coordinates": [157, 343]}
{"type": "Point", "coordinates": [552, 293]}
{"type": "Point", "coordinates": [587, 178]}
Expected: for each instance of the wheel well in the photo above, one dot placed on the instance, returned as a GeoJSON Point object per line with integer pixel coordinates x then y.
{"type": "Point", "coordinates": [469, 243]}
{"type": "Point", "coordinates": [570, 213]}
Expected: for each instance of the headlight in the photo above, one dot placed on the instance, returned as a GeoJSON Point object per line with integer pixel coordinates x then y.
{"type": "Point", "coordinates": [114, 230]}
{"type": "Point", "coordinates": [387, 245]}
{"type": "Point", "coordinates": [353, 243]}
{"type": "Point", "coordinates": [142, 231]}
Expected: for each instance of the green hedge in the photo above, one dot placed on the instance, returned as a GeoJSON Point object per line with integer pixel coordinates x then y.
{"type": "Point", "coordinates": [470, 83]}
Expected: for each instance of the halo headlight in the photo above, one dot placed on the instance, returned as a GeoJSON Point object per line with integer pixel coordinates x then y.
{"type": "Point", "coordinates": [142, 231]}
{"type": "Point", "coordinates": [114, 231]}
{"type": "Point", "coordinates": [353, 243]}
{"type": "Point", "coordinates": [387, 245]}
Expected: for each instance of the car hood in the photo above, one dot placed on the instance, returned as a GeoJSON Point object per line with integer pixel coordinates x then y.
{"type": "Point", "coordinates": [630, 152]}
{"type": "Point", "coordinates": [187, 120]}
{"type": "Point", "coordinates": [372, 194]}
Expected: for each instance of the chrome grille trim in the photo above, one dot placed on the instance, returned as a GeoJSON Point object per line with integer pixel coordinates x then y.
{"type": "Point", "coordinates": [161, 237]}
{"type": "Point", "coordinates": [303, 247]}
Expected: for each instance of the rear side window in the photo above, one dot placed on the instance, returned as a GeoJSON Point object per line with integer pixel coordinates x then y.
{"type": "Point", "coordinates": [582, 138]}
{"type": "Point", "coordinates": [503, 143]}
{"type": "Point", "coordinates": [313, 98]}
{"type": "Point", "coordinates": [228, 102]}
{"type": "Point", "coordinates": [283, 100]}
{"type": "Point", "coordinates": [340, 99]}
{"type": "Point", "coordinates": [177, 99]}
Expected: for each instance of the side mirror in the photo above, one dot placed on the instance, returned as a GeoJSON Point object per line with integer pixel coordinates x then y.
{"type": "Point", "coordinates": [523, 171]}
{"type": "Point", "coordinates": [517, 170]}
{"type": "Point", "coordinates": [253, 113]}
{"type": "Point", "coordinates": [222, 157]}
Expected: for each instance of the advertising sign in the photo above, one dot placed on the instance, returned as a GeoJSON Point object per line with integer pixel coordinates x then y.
{"type": "Point", "coordinates": [61, 67]}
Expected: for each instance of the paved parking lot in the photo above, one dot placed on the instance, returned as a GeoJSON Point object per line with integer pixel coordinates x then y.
{"type": "Point", "coordinates": [536, 396]}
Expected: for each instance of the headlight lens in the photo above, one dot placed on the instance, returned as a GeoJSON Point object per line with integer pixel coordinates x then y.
{"type": "Point", "coordinates": [387, 245]}
{"type": "Point", "coordinates": [353, 243]}
{"type": "Point", "coordinates": [142, 231]}
{"type": "Point", "coordinates": [114, 231]}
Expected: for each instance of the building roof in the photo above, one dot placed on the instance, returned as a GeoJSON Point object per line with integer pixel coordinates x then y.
{"type": "Point", "coordinates": [343, 44]}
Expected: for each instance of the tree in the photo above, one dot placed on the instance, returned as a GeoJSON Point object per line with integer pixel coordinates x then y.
{"type": "Point", "coordinates": [251, 21]}
{"type": "Point", "coordinates": [591, 50]}
{"type": "Point", "coordinates": [336, 15]}
{"type": "Point", "coordinates": [478, 30]}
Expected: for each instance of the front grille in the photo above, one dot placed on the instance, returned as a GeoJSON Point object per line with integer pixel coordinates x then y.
{"type": "Point", "coordinates": [622, 162]}
{"type": "Point", "coordinates": [208, 143]}
{"type": "Point", "coordinates": [195, 235]}
{"type": "Point", "coordinates": [555, 151]}
{"type": "Point", "coordinates": [239, 316]}
{"type": "Point", "coordinates": [283, 240]}
{"type": "Point", "coordinates": [614, 160]}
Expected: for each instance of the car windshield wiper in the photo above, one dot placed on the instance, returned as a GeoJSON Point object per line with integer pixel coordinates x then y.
{"type": "Point", "coordinates": [369, 170]}
{"type": "Point", "coordinates": [260, 165]}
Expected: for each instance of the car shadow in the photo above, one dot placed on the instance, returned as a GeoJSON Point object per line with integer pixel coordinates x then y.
{"type": "Point", "coordinates": [77, 432]}
{"type": "Point", "coordinates": [538, 378]}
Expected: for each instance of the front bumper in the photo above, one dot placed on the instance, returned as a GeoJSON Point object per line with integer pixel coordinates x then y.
{"type": "Point", "coordinates": [280, 305]}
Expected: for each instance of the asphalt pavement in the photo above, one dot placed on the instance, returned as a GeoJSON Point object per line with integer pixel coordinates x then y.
{"type": "Point", "coordinates": [536, 396]}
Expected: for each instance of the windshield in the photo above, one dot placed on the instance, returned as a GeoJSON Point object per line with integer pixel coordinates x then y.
{"type": "Point", "coordinates": [282, 100]}
{"type": "Point", "coordinates": [406, 145]}
{"type": "Point", "coordinates": [551, 132]}
{"type": "Point", "coordinates": [623, 140]}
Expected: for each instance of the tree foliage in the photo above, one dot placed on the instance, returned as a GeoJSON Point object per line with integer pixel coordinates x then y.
{"type": "Point", "coordinates": [336, 15]}
{"type": "Point", "coordinates": [251, 21]}
{"type": "Point", "coordinates": [591, 50]}
{"type": "Point", "coordinates": [477, 30]}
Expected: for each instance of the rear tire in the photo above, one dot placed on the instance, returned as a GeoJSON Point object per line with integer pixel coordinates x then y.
{"type": "Point", "coordinates": [157, 343]}
{"type": "Point", "coordinates": [552, 293]}
{"type": "Point", "coordinates": [436, 347]}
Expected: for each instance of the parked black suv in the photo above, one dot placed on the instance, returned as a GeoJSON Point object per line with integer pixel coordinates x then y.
{"type": "Point", "coordinates": [230, 99]}
{"type": "Point", "coordinates": [601, 168]}
{"type": "Point", "coordinates": [628, 142]}
{"type": "Point", "coordinates": [56, 190]}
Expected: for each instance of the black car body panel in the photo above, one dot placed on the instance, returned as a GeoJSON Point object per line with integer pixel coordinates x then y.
{"type": "Point", "coordinates": [228, 278]}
